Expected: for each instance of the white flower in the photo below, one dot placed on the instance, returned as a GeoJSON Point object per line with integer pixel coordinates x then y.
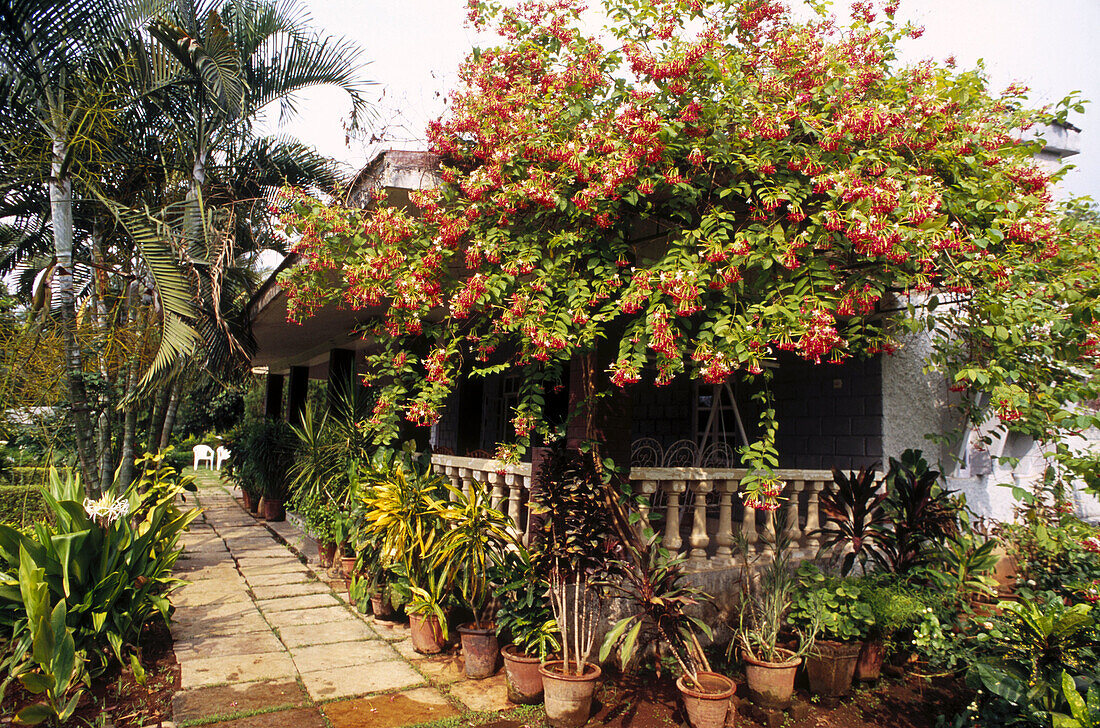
{"type": "Point", "coordinates": [107, 509]}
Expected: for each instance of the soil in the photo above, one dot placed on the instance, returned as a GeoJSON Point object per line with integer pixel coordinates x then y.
{"type": "Point", "coordinates": [650, 702]}
{"type": "Point", "coordinates": [117, 694]}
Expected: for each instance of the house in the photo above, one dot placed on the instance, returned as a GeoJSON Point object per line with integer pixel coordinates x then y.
{"type": "Point", "coordinates": [681, 439]}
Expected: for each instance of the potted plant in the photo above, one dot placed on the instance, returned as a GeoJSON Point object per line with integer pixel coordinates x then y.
{"type": "Point", "coordinates": [526, 623]}
{"type": "Point", "coordinates": [855, 517]}
{"type": "Point", "coordinates": [319, 519]}
{"type": "Point", "coordinates": [474, 538]}
{"type": "Point", "coordinates": [264, 457]}
{"type": "Point", "coordinates": [425, 605]}
{"type": "Point", "coordinates": [571, 538]}
{"type": "Point", "coordinates": [654, 583]}
{"type": "Point", "coordinates": [844, 620]}
{"type": "Point", "coordinates": [894, 606]}
{"type": "Point", "coordinates": [400, 515]}
{"type": "Point", "coordinates": [770, 668]}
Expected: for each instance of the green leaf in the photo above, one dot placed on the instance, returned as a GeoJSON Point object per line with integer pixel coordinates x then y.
{"type": "Point", "coordinates": [35, 682]}
{"type": "Point", "coordinates": [631, 640]}
{"type": "Point", "coordinates": [34, 714]}
{"type": "Point", "coordinates": [1076, 702]}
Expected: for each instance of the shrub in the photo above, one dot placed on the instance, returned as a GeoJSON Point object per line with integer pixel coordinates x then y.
{"type": "Point", "coordinates": [109, 560]}
{"type": "Point", "coordinates": [21, 505]}
{"type": "Point", "coordinates": [837, 605]}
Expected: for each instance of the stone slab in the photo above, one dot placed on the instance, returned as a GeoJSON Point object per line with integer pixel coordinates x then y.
{"type": "Point", "coordinates": [420, 705]}
{"type": "Point", "coordinates": [440, 670]}
{"type": "Point", "coordinates": [326, 633]}
{"type": "Point", "coordinates": [287, 577]}
{"type": "Point", "coordinates": [252, 622]}
{"type": "Point", "coordinates": [211, 613]}
{"type": "Point", "coordinates": [349, 681]}
{"type": "Point", "coordinates": [208, 592]}
{"type": "Point", "coordinates": [206, 645]}
{"type": "Point", "coordinates": [296, 718]}
{"type": "Point", "coordinates": [309, 601]}
{"type": "Point", "coordinates": [219, 570]}
{"type": "Point", "coordinates": [344, 654]}
{"type": "Point", "coordinates": [248, 555]}
{"type": "Point", "coordinates": [272, 566]}
{"type": "Point", "coordinates": [319, 615]}
{"type": "Point", "coordinates": [390, 631]}
{"type": "Point", "coordinates": [483, 695]}
{"type": "Point", "coordinates": [293, 589]}
{"type": "Point", "coordinates": [226, 700]}
{"type": "Point", "coordinates": [235, 669]}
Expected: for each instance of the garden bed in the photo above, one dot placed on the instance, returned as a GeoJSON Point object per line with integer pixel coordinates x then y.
{"type": "Point", "coordinates": [117, 694]}
{"type": "Point", "coordinates": [906, 702]}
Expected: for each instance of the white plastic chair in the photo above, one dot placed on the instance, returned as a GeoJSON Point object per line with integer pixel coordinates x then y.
{"type": "Point", "coordinates": [203, 454]}
{"type": "Point", "coordinates": [223, 455]}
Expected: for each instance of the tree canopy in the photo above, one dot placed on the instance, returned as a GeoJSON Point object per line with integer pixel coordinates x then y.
{"type": "Point", "coordinates": [703, 182]}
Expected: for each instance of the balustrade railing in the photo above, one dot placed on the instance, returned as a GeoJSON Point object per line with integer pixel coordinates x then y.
{"type": "Point", "coordinates": [697, 509]}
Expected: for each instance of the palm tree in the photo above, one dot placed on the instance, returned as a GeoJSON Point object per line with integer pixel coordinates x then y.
{"type": "Point", "coordinates": [56, 60]}
{"type": "Point", "coordinates": [159, 138]}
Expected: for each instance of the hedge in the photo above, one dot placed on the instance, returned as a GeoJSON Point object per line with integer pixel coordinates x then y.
{"type": "Point", "coordinates": [21, 505]}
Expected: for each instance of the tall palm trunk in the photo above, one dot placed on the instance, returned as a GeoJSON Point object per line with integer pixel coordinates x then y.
{"type": "Point", "coordinates": [61, 215]}
{"type": "Point", "coordinates": [129, 420]}
{"type": "Point", "coordinates": [170, 412]}
{"type": "Point", "coordinates": [156, 421]}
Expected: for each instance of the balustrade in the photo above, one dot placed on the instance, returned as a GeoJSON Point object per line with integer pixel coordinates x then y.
{"type": "Point", "coordinates": [699, 503]}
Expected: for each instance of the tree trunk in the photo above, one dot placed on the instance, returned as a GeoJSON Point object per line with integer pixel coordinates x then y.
{"type": "Point", "coordinates": [61, 217]}
{"type": "Point", "coordinates": [105, 430]}
{"type": "Point", "coordinates": [129, 420]}
{"type": "Point", "coordinates": [156, 421]}
{"type": "Point", "coordinates": [170, 413]}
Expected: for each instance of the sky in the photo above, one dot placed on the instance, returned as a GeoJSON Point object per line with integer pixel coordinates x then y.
{"type": "Point", "coordinates": [415, 46]}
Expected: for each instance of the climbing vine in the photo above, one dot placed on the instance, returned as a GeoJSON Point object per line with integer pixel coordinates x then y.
{"type": "Point", "coordinates": [703, 182]}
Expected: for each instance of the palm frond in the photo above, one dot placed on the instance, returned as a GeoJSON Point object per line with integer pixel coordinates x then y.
{"type": "Point", "coordinates": [214, 60]}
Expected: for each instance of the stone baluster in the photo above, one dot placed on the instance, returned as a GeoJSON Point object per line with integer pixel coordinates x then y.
{"type": "Point", "coordinates": [499, 481]}
{"type": "Point", "coordinates": [724, 537]}
{"type": "Point", "coordinates": [813, 515]}
{"type": "Point", "coordinates": [748, 528]}
{"type": "Point", "coordinates": [468, 478]}
{"type": "Point", "coordinates": [647, 489]}
{"type": "Point", "coordinates": [515, 499]}
{"type": "Point", "coordinates": [699, 539]}
{"type": "Point", "coordinates": [794, 491]}
{"type": "Point", "coordinates": [672, 540]}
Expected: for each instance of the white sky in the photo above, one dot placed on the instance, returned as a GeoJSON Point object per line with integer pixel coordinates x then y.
{"type": "Point", "coordinates": [415, 47]}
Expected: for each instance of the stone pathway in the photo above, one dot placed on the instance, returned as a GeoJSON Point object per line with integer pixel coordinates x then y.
{"type": "Point", "coordinates": [265, 638]}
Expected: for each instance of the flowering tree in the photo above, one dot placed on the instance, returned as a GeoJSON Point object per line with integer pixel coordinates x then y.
{"type": "Point", "coordinates": [704, 182]}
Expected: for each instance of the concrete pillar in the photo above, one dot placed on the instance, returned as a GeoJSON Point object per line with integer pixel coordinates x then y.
{"type": "Point", "coordinates": [296, 394]}
{"type": "Point", "coordinates": [341, 370]}
{"type": "Point", "coordinates": [273, 397]}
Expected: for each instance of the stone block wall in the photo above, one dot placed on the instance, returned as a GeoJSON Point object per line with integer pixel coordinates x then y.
{"type": "Point", "coordinates": [663, 413]}
{"type": "Point", "coordinates": [829, 415]}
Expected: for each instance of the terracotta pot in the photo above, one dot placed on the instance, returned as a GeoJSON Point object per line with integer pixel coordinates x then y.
{"type": "Point", "coordinates": [426, 633]}
{"type": "Point", "coordinates": [254, 504]}
{"type": "Point", "coordinates": [246, 500]}
{"type": "Point", "coordinates": [771, 684]}
{"type": "Point", "coordinates": [272, 509]}
{"type": "Point", "coordinates": [347, 566]}
{"type": "Point", "coordinates": [706, 703]}
{"type": "Point", "coordinates": [831, 667]}
{"type": "Point", "coordinates": [521, 673]}
{"type": "Point", "coordinates": [381, 607]}
{"type": "Point", "coordinates": [568, 698]}
{"type": "Point", "coordinates": [871, 657]}
{"type": "Point", "coordinates": [479, 651]}
{"type": "Point", "coordinates": [325, 554]}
